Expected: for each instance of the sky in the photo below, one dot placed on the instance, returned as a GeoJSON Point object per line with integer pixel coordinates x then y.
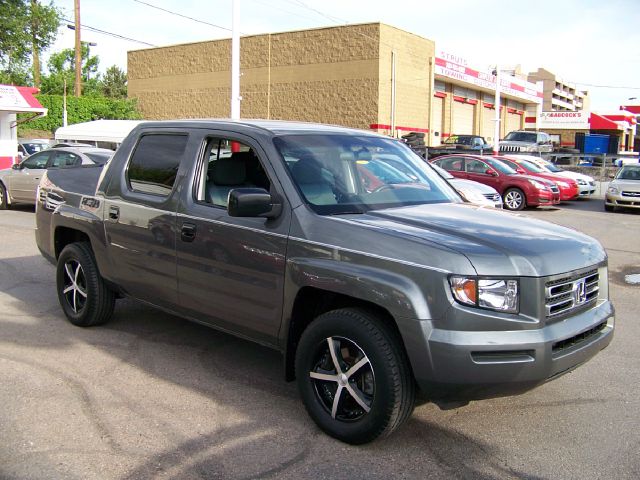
{"type": "Point", "coordinates": [594, 44]}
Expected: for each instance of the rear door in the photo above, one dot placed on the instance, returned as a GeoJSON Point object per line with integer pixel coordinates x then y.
{"type": "Point", "coordinates": [477, 171]}
{"type": "Point", "coordinates": [231, 270]}
{"type": "Point", "coordinates": [140, 217]}
{"type": "Point", "coordinates": [24, 182]}
{"type": "Point", "coordinates": [453, 165]}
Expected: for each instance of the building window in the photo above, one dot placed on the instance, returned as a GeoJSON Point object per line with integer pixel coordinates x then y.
{"type": "Point", "coordinates": [440, 86]}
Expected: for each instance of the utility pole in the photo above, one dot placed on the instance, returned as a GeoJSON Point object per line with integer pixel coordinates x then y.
{"type": "Point", "coordinates": [64, 105]}
{"type": "Point", "coordinates": [496, 129]}
{"type": "Point", "coordinates": [78, 87]}
{"type": "Point", "coordinates": [235, 61]}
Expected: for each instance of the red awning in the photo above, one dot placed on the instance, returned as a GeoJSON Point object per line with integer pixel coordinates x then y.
{"type": "Point", "coordinates": [20, 99]}
{"type": "Point", "coordinates": [598, 122]}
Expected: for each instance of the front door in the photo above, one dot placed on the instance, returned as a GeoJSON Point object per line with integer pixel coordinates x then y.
{"type": "Point", "coordinates": [477, 171]}
{"type": "Point", "coordinates": [231, 270]}
{"type": "Point", "coordinates": [24, 182]}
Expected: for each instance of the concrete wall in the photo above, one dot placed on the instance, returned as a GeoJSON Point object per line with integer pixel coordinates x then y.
{"type": "Point", "coordinates": [413, 79]}
{"type": "Point", "coordinates": [327, 75]}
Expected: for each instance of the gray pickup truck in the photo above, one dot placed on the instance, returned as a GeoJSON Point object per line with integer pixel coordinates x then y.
{"type": "Point", "coordinates": [379, 294]}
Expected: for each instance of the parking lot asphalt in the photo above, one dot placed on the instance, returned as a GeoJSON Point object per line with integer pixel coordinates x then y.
{"type": "Point", "coordinates": [152, 396]}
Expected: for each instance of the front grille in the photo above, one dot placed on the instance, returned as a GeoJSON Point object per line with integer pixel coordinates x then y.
{"type": "Point", "coordinates": [555, 189]}
{"type": "Point", "coordinates": [494, 197]}
{"type": "Point", "coordinates": [578, 339]}
{"type": "Point", "coordinates": [631, 194]}
{"type": "Point", "coordinates": [571, 293]}
{"type": "Point", "coordinates": [509, 148]}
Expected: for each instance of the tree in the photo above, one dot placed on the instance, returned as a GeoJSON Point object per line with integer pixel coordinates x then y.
{"type": "Point", "coordinates": [43, 25]}
{"type": "Point", "coordinates": [27, 29]}
{"type": "Point", "coordinates": [114, 83]}
{"type": "Point", "coordinates": [62, 67]}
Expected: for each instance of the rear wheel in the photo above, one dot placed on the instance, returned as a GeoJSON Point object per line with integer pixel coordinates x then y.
{"type": "Point", "coordinates": [514, 199]}
{"type": "Point", "coordinates": [353, 376]}
{"type": "Point", "coordinates": [85, 298]}
{"type": "Point", "coordinates": [4, 201]}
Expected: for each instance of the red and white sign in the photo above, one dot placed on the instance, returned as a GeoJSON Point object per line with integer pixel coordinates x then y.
{"type": "Point", "coordinates": [566, 120]}
{"type": "Point", "coordinates": [455, 67]}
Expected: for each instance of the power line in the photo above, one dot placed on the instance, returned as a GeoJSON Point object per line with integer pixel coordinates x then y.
{"type": "Point", "coordinates": [606, 86]}
{"type": "Point", "coordinates": [111, 34]}
{"type": "Point", "coordinates": [183, 16]}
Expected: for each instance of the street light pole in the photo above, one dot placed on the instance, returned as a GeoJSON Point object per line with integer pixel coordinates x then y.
{"type": "Point", "coordinates": [78, 86]}
{"type": "Point", "coordinates": [235, 61]}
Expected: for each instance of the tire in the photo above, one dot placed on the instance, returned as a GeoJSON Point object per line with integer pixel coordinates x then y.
{"type": "Point", "coordinates": [514, 199]}
{"type": "Point", "coordinates": [82, 293]}
{"type": "Point", "coordinates": [609, 208]}
{"type": "Point", "coordinates": [376, 397]}
{"type": "Point", "coordinates": [4, 200]}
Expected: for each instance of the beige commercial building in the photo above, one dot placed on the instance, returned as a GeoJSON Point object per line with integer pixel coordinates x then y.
{"type": "Point", "coordinates": [559, 95]}
{"type": "Point", "coordinates": [370, 76]}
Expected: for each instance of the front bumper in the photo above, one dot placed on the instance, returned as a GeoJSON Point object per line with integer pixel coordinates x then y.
{"type": "Point", "coordinates": [472, 365]}
{"type": "Point", "coordinates": [622, 201]}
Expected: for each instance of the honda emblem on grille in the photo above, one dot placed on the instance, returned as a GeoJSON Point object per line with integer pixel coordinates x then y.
{"type": "Point", "coordinates": [580, 291]}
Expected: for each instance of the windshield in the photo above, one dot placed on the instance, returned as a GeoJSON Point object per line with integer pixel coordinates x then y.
{"type": "Point", "coordinates": [532, 167]}
{"type": "Point", "coordinates": [629, 172]}
{"type": "Point", "coordinates": [339, 174]}
{"type": "Point", "coordinates": [458, 140]}
{"type": "Point", "coordinates": [529, 137]}
{"type": "Point", "coordinates": [35, 147]}
{"type": "Point", "coordinates": [552, 168]}
{"type": "Point", "coordinates": [500, 166]}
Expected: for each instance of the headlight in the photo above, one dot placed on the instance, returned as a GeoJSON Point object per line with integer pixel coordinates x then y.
{"type": "Point", "coordinates": [491, 293]}
{"type": "Point", "coordinates": [537, 184]}
{"type": "Point", "coordinates": [474, 197]}
{"type": "Point", "coordinates": [581, 182]}
{"type": "Point", "coordinates": [563, 184]}
{"type": "Point", "coordinates": [613, 190]}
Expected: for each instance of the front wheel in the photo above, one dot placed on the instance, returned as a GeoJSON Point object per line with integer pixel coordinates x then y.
{"type": "Point", "coordinates": [514, 199]}
{"type": "Point", "coordinates": [353, 376]}
{"type": "Point", "coordinates": [85, 298]}
{"type": "Point", "coordinates": [609, 208]}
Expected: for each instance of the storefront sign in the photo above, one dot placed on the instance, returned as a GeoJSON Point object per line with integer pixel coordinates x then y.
{"type": "Point", "coordinates": [564, 120]}
{"type": "Point", "coordinates": [455, 67]}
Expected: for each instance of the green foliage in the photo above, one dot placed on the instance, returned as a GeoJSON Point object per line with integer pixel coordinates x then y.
{"type": "Point", "coordinates": [62, 66]}
{"type": "Point", "coordinates": [114, 83]}
{"type": "Point", "coordinates": [83, 109]}
{"type": "Point", "coordinates": [26, 25]}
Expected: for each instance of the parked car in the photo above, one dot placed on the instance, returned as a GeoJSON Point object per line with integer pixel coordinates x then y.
{"type": "Point", "coordinates": [29, 147]}
{"type": "Point", "coordinates": [526, 141]}
{"type": "Point", "coordinates": [474, 192]}
{"type": "Point", "coordinates": [373, 297]}
{"type": "Point", "coordinates": [568, 188]}
{"type": "Point", "coordinates": [19, 183]}
{"type": "Point", "coordinates": [73, 145]}
{"type": "Point", "coordinates": [517, 191]}
{"type": "Point", "coordinates": [624, 189]}
{"type": "Point", "coordinates": [586, 184]}
{"type": "Point", "coordinates": [474, 143]}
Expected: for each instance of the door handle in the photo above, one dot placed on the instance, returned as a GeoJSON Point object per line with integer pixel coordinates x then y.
{"type": "Point", "coordinates": [114, 212]}
{"type": "Point", "coordinates": [188, 232]}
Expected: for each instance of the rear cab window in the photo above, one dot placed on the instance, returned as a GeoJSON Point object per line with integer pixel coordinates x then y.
{"type": "Point", "coordinates": [154, 163]}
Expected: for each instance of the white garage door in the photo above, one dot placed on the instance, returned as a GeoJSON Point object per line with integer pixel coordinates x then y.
{"type": "Point", "coordinates": [436, 120]}
{"type": "Point", "coordinates": [488, 124]}
{"type": "Point", "coordinates": [462, 119]}
{"type": "Point", "coordinates": [513, 122]}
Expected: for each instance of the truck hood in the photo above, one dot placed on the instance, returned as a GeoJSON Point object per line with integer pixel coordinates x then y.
{"type": "Point", "coordinates": [495, 242]}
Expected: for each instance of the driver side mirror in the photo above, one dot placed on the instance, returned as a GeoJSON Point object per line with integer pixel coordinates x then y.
{"type": "Point", "coordinates": [17, 166]}
{"type": "Point", "coordinates": [491, 173]}
{"type": "Point", "coordinates": [252, 202]}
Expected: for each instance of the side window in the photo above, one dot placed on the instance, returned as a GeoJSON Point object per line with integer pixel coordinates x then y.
{"type": "Point", "coordinates": [39, 160]}
{"type": "Point", "coordinates": [455, 164]}
{"type": "Point", "coordinates": [65, 159]}
{"type": "Point", "coordinates": [476, 166]}
{"type": "Point", "coordinates": [228, 164]}
{"type": "Point", "coordinates": [154, 164]}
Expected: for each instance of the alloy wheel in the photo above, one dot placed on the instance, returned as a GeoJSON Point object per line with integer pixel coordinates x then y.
{"type": "Point", "coordinates": [343, 379]}
{"type": "Point", "coordinates": [75, 285]}
{"type": "Point", "coordinates": [513, 200]}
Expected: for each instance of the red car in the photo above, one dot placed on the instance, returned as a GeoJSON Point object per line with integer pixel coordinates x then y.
{"type": "Point", "coordinates": [569, 189]}
{"type": "Point", "coordinates": [518, 191]}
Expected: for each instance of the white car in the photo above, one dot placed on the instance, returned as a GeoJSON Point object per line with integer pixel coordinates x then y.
{"type": "Point", "coordinates": [586, 184]}
{"type": "Point", "coordinates": [474, 192]}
